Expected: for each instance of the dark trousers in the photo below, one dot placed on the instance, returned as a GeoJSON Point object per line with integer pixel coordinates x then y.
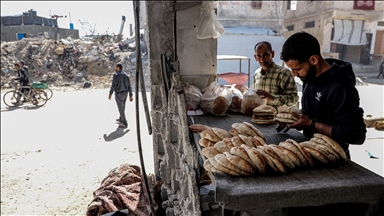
{"type": "Point", "coordinates": [25, 91]}
{"type": "Point", "coordinates": [121, 99]}
{"type": "Point", "coordinates": [380, 73]}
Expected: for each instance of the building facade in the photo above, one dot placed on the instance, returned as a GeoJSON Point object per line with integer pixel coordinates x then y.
{"type": "Point", "coordinates": [349, 30]}
{"type": "Point", "coordinates": [30, 25]}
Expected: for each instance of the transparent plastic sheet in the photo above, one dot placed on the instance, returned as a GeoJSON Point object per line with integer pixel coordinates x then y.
{"type": "Point", "coordinates": [237, 99]}
{"type": "Point", "coordinates": [250, 101]}
{"type": "Point", "coordinates": [209, 26]}
{"type": "Point", "coordinates": [192, 97]}
{"type": "Point", "coordinates": [216, 100]}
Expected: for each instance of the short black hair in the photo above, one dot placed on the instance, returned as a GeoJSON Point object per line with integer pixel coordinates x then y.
{"type": "Point", "coordinates": [16, 64]}
{"type": "Point", "coordinates": [22, 62]}
{"type": "Point", "coordinates": [119, 66]}
{"type": "Point", "coordinates": [263, 42]}
{"type": "Point", "coordinates": [300, 46]}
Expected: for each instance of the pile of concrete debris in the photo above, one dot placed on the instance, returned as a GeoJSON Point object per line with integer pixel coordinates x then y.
{"type": "Point", "coordinates": [68, 62]}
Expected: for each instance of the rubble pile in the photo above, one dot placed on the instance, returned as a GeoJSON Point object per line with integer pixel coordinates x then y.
{"type": "Point", "coordinates": [66, 63]}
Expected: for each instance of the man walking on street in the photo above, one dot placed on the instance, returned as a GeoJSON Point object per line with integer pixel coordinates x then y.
{"type": "Point", "coordinates": [381, 70]}
{"type": "Point", "coordinates": [23, 78]}
{"type": "Point", "coordinates": [121, 85]}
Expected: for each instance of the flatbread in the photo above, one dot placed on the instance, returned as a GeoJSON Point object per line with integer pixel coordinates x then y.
{"type": "Point", "coordinates": [302, 150]}
{"type": "Point", "coordinates": [263, 121]}
{"type": "Point", "coordinates": [257, 158]}
{"type": "Point", "coordinates": [335, 146]}
{"type": "Point", "coordinates": [223, 161]}
{"type": "Point", "coordinates": [222, 168]}
{"type": "Point", "coordinates": [316, 154]}
{"type": "Point", "coordinates": [221, 133]}
{"type": "Point", "coordinates": [228, 142]}
{"type": "Point", "coordinates": [275, 158]}
{"type": "Point", "coordinates": [209, 152]}
{"type": "Point", "coordinates": [237, 141]}
{"type": "Point", "coordinates": [198, 127]}
{"type": "Point", "coordinates": [240, 163]}
{"type": "Point", "coordinates": [206, 143]}
{"type": "Point", "coordinates": [246, 140]}
{"type": "Point", "coordinates": [210, 135]}
{"type": "Point", "coordinates": [284, 158]}
{"type": "Point", "coordinates": [260, 140]}
{"type": "Point", "coordinates": [291, 147]}
{"type": "Point", "coordinates": [243, 129]}
{"type": "Point", "coordinates": [234, 132]}
{"type": "Point", "coordinates": [325, 150]}
{"type": "Point", "coordinates": [221, 147]}
{"type": "Point", "coordinates": [289, 154]}
{"type": "Point", "coordinates": [284, 120]}
{"type": "Point", "coordinates": [241, 152]}
{"type": "Point", "coordinates": [208, 166]}
{"type": "Point", "coordinates": [255, 130]}
{"type": "Point", "coordinates": [268, 159]}
{"type": "Point", "coordinates": [286, 116]}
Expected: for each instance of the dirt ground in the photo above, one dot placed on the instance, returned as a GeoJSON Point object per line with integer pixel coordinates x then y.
{"type": "Point", "coordinates": [54, 157]}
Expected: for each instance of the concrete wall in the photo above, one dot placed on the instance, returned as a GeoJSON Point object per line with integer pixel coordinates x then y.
{"type": "Point", "coordinates": [197, 57]}
{"type": "Point", "coordinates": [176, 159]}
{"type": "Point", "coordinates": [241, 13]}
{"type": "Point", "coordinates": [36, 30]}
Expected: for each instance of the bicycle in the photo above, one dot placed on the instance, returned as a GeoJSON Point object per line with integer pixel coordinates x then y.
{"type": "Point", "coordinates": [36, 96]}
{"type": "Point", "coordinates": [43, 86]}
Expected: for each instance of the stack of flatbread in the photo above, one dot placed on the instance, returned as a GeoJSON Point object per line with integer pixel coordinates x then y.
{"type": "Point", "coordinates": [284, 115]}
{"type": "Point", "coordinates": [379, 125]}
{"type": "Point", "coordinates": [264, 114]}
{"type": "Point", "coordinates": [236, 160]}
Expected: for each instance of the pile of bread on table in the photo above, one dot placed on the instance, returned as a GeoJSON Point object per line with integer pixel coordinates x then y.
{"type": "Point", "coordinates": [243, 151]}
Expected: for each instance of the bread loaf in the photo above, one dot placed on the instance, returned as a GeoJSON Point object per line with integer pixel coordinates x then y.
{"type": "Point", "coordinates": [198, 127]}
{"type": "Point", "coordinates": [284, 158]}
{"type": "Point", "coordinates": [239, 163]}
{"type": "Point", "coordinates": [241, 152]}
{"type": "Point", "coordinates": [206, 143]}
{"type": "Point", "coordinates": [222, 168]}
{"type": "Point", "coordinates": [221, 147]}
{"type": "Point", "coordinates": [320, 157]}
{"type": "Point", "coordinates": [246, 140]}
{"type": "Point", "coordinates": [255, 130]}
{"type": "Point", "coordinates": [333, 144]}
{"type": "Point", "coordinates": [210, 135]}
{"type": "Point", "coordinates": [209, 152]}
{"type": "Point", "coordinates": [221, 133]}
{"type": "Point", "coordinates": [257, 158]}
{"type": "Point", "coordinates": [223, 161]}
{"type": "Point", "coordinates": [243, 129]}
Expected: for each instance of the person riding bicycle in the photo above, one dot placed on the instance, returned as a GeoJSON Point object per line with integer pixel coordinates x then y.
{"type": "Point", "coordinates": [23, 66]}
{"type": "Point", "coordinates": [23, 78]}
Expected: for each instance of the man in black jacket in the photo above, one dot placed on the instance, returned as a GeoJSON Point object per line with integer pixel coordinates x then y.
{"type": "Point", "coordinates": [23, 78]}
{"type": "Point", "coordinates": [121, 85]}
{"type": "Point", "coordinates": [330, 101]}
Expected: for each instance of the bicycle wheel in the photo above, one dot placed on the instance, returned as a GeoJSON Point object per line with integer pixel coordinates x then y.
{"type": "Point", "coordinates": [49, 93]}
{"type": "Point", "coordinates": [39, 97]}
{"type": "Point", "coordinates": [10, 98]}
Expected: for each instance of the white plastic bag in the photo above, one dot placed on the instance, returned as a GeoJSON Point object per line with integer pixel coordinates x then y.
{"type": "Point", "coordinates": [216, 100]}
{"type": "Point", "coordinates": [237, 99]}
{"type": "Point", "coordinates": [209, 26]}
{"type": "Point", "coordinates": [192, 97]}
{"type": "Point", "coordinates": [250, 101]}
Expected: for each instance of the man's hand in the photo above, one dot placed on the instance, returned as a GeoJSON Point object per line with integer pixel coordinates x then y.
{"type": "Point", "coordinates": [303, 122]}
{"type": "Point", "coordinates": [264, 95]}
{"type": "Point", "coordinates": [131, 99]}
{"type": "Point", "coordinates": [109, 97]}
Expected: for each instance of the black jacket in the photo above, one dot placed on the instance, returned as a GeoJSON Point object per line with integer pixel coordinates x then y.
{"type": "Point", "coordinates": [332, 99]}
{"type": "Point", "coordinates": [22, 76]}
{"type": "Point", "coordinates": [121, 83]}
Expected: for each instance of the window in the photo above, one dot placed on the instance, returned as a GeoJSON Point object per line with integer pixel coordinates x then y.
{"type": "Point", "coordinates": [291, 5]}
{"type": "Point", "coordinates": [290, 27]}
{"type": "Point", "coordinates": [309, 24]}
{"type": "Point", "coordinates": [256, 4]}
{"type": "Point", "coordinates": [380, 23]}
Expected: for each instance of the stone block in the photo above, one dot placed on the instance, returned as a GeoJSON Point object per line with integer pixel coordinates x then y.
{"type": "Point", "coordinates": [169, 212]}
{"type": "Point", "coordinates": [156, 96]}
{"type": "Point", "coordinates": [165, 173]}
{"type": "Point", "coordinates": [164, 194]}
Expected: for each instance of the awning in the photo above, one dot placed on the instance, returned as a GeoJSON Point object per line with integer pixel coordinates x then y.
{"type": "Point", "coordinates": [349, 32]}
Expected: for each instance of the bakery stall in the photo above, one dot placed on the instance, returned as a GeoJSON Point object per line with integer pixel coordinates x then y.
{"type": "Point", "coordinates": [343, 186]}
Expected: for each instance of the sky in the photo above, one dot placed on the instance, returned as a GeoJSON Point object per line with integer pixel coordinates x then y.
{"type": "Point", "coordinates": [106, 15]}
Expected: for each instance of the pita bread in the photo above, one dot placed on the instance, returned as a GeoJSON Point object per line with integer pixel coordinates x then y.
{"type": "Point", "coordinates": [291, 147]}
{"type": "Point", "coordinates": [241, 152]}
{"type": "Point", "coordinates": [302, 150]}
{"type": "Point", "coordinates": [325, 150]}
{"type": "Point", "coordinates": [209, 152]}
{"type": "Point", "coordinates": [334, 145]}
{"type": "Point", "coordinates": [284, 158]}
{"type": "Point", "coordinates": [240, 163]}
{"type": "Point", "coordinates": [286, 109]}
{"type": "Point", "coordinates": [234, 132]}
{"type": "Point", "coordinates": [259, 140]}
{"type": "Point", "coordinates": [289, 154]}
{"type": "Point", "coordinates": [207, 165]}
{"type": "Point", "coordinates": [257, 158]}
{"type": "Point", "coordinates": [223, 161]}
{"type": "Point", "coordinates": [210, 135]}
{"type": "Point", "coordinates": [320, 157]}
{"type": "Point", "coordinates": [228, 142]}
{"type": "Point", "coordinates": [237, 141]}
{"type": "Point", "coordinates": [255, 130]}
{"type": "Point", "coordinates": [263, 121]}
{"type": "Point", "coordinates": [268, 159]}
{"type": "Point", "coordinates": [284, 120]}
{"type": "Point", "coordinates": [221, 147]}
{"type": "Point", "coordinates": [222, 169]}
{"type": "Point", "coordinates": [264, 110]}
{"type": "Point", "coordinates": [286, 116]}
{"type": "Point", "coordinates": [243, 129]}
{"type": "Point", "coordinates": [221, 133]}
{"type": "Point", "coordinates": [318, 141]}
{"type": "Point", "coordinates": [198, 127]}
{"type": "Point", "coordinates": [206, 143]}
{"type": "Point", "coordinates": [246, 140]}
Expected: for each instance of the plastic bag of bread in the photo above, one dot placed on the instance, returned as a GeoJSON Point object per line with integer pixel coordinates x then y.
{"type": "Point", "coordinates": [192, 97]}
{"type": "Point", "coordinates": [216, 100]}
{"type": "Point", "coordinates": [237, 99]}
{"type": "Point", "coordinates": [250, 101]}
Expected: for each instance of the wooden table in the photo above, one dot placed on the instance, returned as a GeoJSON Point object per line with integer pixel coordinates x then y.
{"type": "Point", "coordinates": [341, 183]}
